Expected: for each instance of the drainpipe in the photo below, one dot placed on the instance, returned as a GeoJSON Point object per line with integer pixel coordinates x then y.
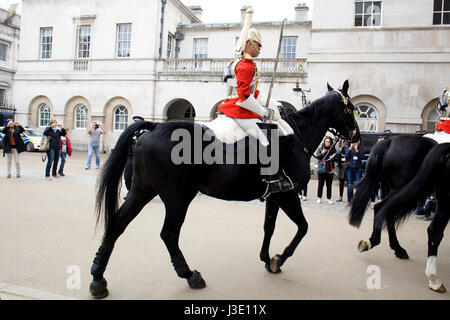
{"type": "Point", "coordinates": [163, 2]}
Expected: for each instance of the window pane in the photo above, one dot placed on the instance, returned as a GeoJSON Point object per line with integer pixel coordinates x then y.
{"type": "Point", "coordinates": [446, 5]}
{"type": "Point", "coordinates": [376, 21]}
{"type": "Point", "coordinates": [367, 21]}
{"type": "Point", "coordinates": [376, 7]}
{"type": "Point", "coordinates": [358, 21]}
{"type": "Point", "coordinates": [2, 52]}
{"type": "Point", "coordinates": [437, 5]}
{"type": "Point", "coordinates": [437, 17]}
{"type": "Point", "coordinates": [358, 7]}
{"type": "Point", "coordinates": [446, 19]}
{"type": "Point", "coordinates": [367, 7]}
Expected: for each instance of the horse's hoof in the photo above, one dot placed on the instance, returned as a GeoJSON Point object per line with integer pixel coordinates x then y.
{"type": "Point", "coordinates": [275, 264]}
{"type": "Point", "coordinates": [363, 246]}
{"type": "Point", "coordinates": [196, 281]}
{"type": "Point", "coordinates": [99, 289]}
{"type": "Point", "coordinates": [441, 289]}
{"type": "Point", "coordinates": [402, 255]}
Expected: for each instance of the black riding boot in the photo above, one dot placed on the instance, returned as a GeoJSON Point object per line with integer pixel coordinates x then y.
{"type": "Point", "coordinates": [279, 182]}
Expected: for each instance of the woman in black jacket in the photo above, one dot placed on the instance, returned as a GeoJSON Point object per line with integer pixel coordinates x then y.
{"type": "Point", "coordinates": [53, 152]}
{"type": "Point", "coordinates": [13, 145]}
{"type": "Point", "coordinates": [326, 155]}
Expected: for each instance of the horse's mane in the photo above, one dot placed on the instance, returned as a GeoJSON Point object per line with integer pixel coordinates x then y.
{"type": "Point", "coordinates": [298, 119]}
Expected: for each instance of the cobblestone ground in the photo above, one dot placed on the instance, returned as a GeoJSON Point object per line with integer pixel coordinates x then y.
{"type": "Point", "coordinates": [48, 241]}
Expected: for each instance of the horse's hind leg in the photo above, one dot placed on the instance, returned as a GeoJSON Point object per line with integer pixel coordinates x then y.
{"type": "Point", "coordinates": [175, 215]}
{"type": "Point", "coordinates": [393, 241]}
{"type": "Point", "coordinates": [126, 213]}
{"type": "Point", "coordinates": [269, 227]}
{"type": "Point", "coordinates": [290, 204]}
{"type": "Point", "coordinates": [375, 238]}
{"type": "Point", "coordinates": [435, 234]}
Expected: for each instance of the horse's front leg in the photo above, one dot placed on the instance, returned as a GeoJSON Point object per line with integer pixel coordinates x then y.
{"type": "Point", "coordinates": [290, 204]}
{"type": "Point", "coordinates": [269, 227]}
{"type": "Point", "coordinates": [435, 234]}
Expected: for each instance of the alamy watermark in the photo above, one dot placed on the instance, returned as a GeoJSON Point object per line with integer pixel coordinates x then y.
{"type": "Point", "coordinates": [374, 280]}
{"type": "Point", "coordinates": [197, 150]}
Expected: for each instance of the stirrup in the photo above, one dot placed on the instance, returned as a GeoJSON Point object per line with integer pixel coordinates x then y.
{"type": "Point", "coordinates": [282, 184]}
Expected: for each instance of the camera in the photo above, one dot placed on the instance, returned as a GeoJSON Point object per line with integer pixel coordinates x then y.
{"type": "Point", "coordinates": [96, 126]}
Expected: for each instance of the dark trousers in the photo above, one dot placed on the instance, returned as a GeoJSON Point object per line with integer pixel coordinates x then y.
{"type": "Point", "coordinates": [63, 161]}
{"type": "Point", "coordinates": [52, 161]}
{"type": "Point", "coordinates": [341, 187]}
{"type": "Point", "coordinates": [353, 176]}
{"type": "Point", "coordinates": [304, 191]}
{"type": "Point", "coordinates": [328, 179]}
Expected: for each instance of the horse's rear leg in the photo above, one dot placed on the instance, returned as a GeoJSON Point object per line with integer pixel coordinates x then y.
{"type": "Point", "coordinates": [170, 233]}
{"type": "Point", "coordinates": [435, 234]}
{"type": "Point", "coordinates": [269, 227]}
{"type": "Point", "coordinates": [393, 241]}
{"type": "Point", "coordinates": [375, 238]}
{"type": "Point", "coordinates": [290, 204]}
{"type": "Point", "coordinates": [126, 213]}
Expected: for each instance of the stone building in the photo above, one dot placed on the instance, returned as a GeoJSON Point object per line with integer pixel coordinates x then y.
{"type": "Point", "coordinates": [85, 60]}
{"type": "Point", "coordinates": [9, 47]}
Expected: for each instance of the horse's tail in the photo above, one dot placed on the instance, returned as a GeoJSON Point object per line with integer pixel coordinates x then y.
{"type": "Point", "coordinates": [108, 182]}
{"type": "Point", "coordinates": [368, 185]}
{"type": "Point", "coordinates": [422, 185]}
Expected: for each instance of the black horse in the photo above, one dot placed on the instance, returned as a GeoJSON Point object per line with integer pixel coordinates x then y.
{"type": "Point", "coordinates": [393, 163]}
{"type": "Point", "coordinates": [434, 174]}
{"type": "Point", "coordinates": [155, 173]}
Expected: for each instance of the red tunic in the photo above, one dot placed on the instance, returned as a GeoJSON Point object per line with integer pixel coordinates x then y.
{"type": "Point", "coordinates": [443, 125]}
{"type": "Point", "coordinates": [245, 71]}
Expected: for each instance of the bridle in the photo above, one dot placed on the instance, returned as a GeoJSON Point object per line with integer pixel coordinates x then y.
{"type": "Point", "coordinates": [348, 111]}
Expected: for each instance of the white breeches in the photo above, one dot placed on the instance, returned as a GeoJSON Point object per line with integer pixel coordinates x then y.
{"type": "Point", "coordinates": [251, 128]}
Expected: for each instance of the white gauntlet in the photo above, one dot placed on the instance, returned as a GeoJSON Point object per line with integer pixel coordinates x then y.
{"type": "Point", "coordinates": [253, 105]}
{"type": "Point", "coordinates": [273, 105]}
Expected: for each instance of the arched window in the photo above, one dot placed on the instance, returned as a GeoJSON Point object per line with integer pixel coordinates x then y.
{"type": "Point", "coordinates": [367, 118]}
{"type": "Point", "coordinates": [44, 115]}
{"type": "Point", "coordinates": [120, 118]}
{"type": "Point", "coordinates": [432, 120]}
{"type": "Point", "coordinates": [81, 113]}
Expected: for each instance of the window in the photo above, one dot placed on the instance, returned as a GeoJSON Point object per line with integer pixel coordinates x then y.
{"type": "Point", "coordinates": [441, 12]}
{"type": "Point", "coordinates": [288, 51]}
{"type": "Point", "coordinates": [44, 115]}
{"type": "Point", "coordinates": [200, 48]}
{"type": "Point", "coordinates": [367, 118]}
{"type": "Point", "coordinates": [3, 48]}
{"type": "Point", "coordinates": [81, 113]}
{"type": "Point", "coordinates": [46, 43]}
{"type": "Point", "coordinates": [433, 118]}
{"type": "Point", "coordinates": [83, 42]}
{"type": "Point", "coordinates": [123, 40]}
{"type": "Point", "coordinates": [2, 97]}
{"type": "Point", "coordinates": [367, 13]}
{"type": "Point", "coordinates": [120, 118]}
{"type": "Point", "coordinates": [170, 42]}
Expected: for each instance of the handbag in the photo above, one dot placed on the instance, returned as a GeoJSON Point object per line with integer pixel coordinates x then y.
{"type": "Point", "coordinates": [45, 143]}
{"type": "Point", "coordinates": [321, 169]}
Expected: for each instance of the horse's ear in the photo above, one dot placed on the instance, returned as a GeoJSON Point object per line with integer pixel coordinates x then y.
{"type": "Point", "coordinates": [345, 88]}
{"type": "Point", "coordinates": [329, 87]}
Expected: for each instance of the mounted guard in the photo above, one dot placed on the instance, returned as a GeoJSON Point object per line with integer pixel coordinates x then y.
{"type": "Point", "coordinates": [245, 102]}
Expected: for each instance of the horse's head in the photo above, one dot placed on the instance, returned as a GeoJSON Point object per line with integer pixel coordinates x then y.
{"type": "Point", "coordinates": [345, 123]}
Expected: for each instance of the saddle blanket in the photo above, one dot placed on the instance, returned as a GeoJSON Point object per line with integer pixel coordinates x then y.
{"type": "Point", "coordinates": [439, 136]}
{"type": "Point", "coordinates": [227, 131]}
